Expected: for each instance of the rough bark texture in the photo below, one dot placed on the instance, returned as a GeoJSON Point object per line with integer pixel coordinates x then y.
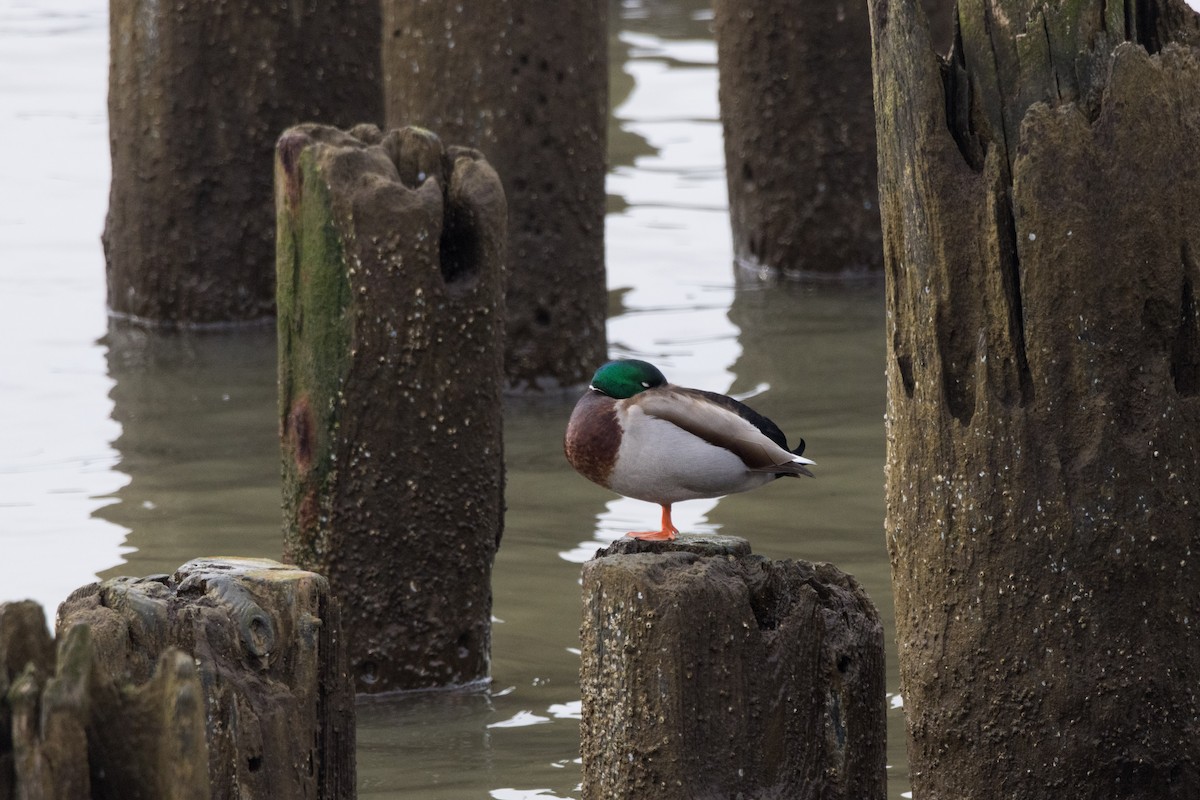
{"type": "Point", "coordinates": [391, 312]}
{"type": "Point", "coordinates": [1043, 482]}
{"type": "Point", "coordinates": [708, 672]}
{"type": "Point", "coordinates": [24, 644]}
{"type": "Point", "coordinates": [800, 158]}
{"type": "Point", "coordinates": [198, 93]}
{"type": "Point", "coordinates": [78, 733]}
{"type": "Point", "coordinates": [224, 680]}
{"type": "Point", "coordinates": [526, 83]}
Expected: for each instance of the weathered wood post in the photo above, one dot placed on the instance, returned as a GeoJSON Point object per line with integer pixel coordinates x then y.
{"type": "Point", "coordinates": [526, 83]}
{"type": "Point", "coordinates": [198, 93]}
{"type": "Point", "coordinates": [800, 158]}
{"type": "Point", "coordinates": [78, 733]}
{"type": "Point", "coordinates": [226, 679]}
{"type": "Point", "coordinates": [391, 314]}
{"type": "Point", "coordinates": [710, 672]}
{"type": "Point", "coordinates": [25, 645]}
{"type": "Point", "coordinates": [1043, 480]}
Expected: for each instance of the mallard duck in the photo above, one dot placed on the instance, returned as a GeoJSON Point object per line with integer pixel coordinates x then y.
{"type": "Point", "coordinates": [636, 434]}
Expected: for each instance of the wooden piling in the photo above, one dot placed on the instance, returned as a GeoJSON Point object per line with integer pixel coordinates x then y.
{"type": "Point", "coordinates": [795, 94]}
{"type": "Point", "coordinates": [800, 156]}
{"type": "Point", "coordinates": [709, 672]}
{"type": "Point", "coordinates": [525, 83]}
{"type": "Point", "coordinates": [226, 679]}
{"type": "Point", "coordinates": [198, 93]}
{"type": "Point", "coordinates": [391, 314]}
{"type": "Point", "coordinates": [26, 655]}
{"type": "Point", "coordinates": [1043, 401]}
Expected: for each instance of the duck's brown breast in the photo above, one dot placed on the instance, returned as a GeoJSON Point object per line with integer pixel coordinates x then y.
{"type": "Point", "coordinates": [593, 437]}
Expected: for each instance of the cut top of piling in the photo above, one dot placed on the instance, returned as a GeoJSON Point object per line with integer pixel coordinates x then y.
{"type": "Point", "coordinates": [702, 544]}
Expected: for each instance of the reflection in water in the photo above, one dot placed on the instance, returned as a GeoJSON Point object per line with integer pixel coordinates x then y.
{"type": "Point", "coordinates": [473, 750]}
{"type": "Point", "coordinates": [820, 350]}
{"type": "Point", "coordinates": [624, 514]}
{"type": "Point", "coordinates": [199, 442]}
{"type": "Point", "coordinates": [55, 460]}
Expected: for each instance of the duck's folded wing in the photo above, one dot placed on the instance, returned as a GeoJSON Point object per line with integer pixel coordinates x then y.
{"type": "Point", "coordinates": [721, 426]}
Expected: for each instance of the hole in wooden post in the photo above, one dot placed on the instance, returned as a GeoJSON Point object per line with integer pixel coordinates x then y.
{"type": "Point", "coordinates": [1185, 352]}
{"type": "Point", "coordinates": [905, 365]}
{"type": "Point", "coordinates": [459, 247]}
{"type": "Point", "coordinates": [464, 642]}
{"type": "Point", "coordinates": [764, 602]}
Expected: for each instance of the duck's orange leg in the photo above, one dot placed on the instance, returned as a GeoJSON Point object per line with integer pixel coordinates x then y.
{"type": "Point", "coordinates": [668, 532]}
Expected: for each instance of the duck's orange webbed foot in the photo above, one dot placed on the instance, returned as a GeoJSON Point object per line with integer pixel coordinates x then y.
{"type": "Point", "coordinates": [668, 532]}
{"type": "Point", "coordinates": [653, 536]}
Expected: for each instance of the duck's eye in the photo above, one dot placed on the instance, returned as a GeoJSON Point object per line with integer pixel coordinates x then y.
{"type": "Point", "coordinates": [645, 385]}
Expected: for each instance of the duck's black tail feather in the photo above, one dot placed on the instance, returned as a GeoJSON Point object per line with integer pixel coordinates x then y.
{"type": "Point", "coordinates": [799, 451]}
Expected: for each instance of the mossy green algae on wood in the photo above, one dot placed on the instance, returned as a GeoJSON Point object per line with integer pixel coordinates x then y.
{"type": "Point", "coordinates": [313, 299]}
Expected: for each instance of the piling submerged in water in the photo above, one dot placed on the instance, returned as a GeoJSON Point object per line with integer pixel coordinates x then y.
{"type": "Point", "coordinates": [391, 324]}
{"type": "Point", "coordinates": [197, 95]}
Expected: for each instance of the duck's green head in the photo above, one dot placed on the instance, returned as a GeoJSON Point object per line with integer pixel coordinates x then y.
{"type": "Point", "coordinates": [625, 378]}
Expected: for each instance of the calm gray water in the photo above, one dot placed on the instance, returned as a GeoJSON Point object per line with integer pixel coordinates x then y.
{"type": "Point", "coordinates": [130, 453]}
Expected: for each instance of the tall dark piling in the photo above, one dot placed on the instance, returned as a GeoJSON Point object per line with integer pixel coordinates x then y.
{"type": "Point", "coordinates": [800, 158]}
{"type": "Point", "coordinates": [391, 314]}
{"type": "Point", "coordinates": [525, 83]}
{"type": "Point", "coordinates": [795, 93]}
{"type": "Point", "coordinates": [198, 93]}
{"type": "Point", "coordinates": [226, 679]}
{"type": "Point", "coordinates": [709, 672]}
{"type": "Point", "coordinates": [1043, 371]}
